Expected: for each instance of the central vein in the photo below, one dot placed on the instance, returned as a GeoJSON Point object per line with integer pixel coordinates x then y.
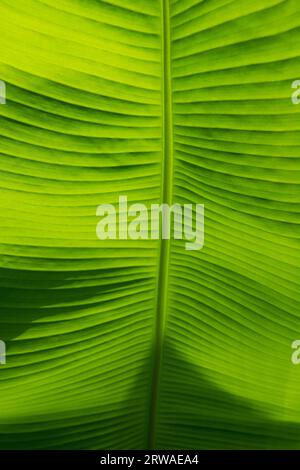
{"type": "Point", "coordinates": [166, 197]}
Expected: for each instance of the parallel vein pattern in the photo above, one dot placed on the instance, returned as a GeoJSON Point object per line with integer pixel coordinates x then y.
{"type": "Point", "coordinates": [82, 125]}
{"type": "Point", "coordinates": [228, 380]}
{"type": "Point", "coordinates": [128, 344]}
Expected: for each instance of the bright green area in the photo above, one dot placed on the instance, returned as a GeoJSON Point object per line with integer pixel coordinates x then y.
{"type": "Point", "coordinates": [130, 344]}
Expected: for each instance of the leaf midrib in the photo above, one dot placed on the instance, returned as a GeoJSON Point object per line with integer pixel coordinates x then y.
{"type": "Point", "coordinates": [166, 198]}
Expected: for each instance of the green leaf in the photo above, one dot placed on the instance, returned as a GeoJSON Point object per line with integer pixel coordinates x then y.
{"type": "Point", "coordinates": [128, 344]}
